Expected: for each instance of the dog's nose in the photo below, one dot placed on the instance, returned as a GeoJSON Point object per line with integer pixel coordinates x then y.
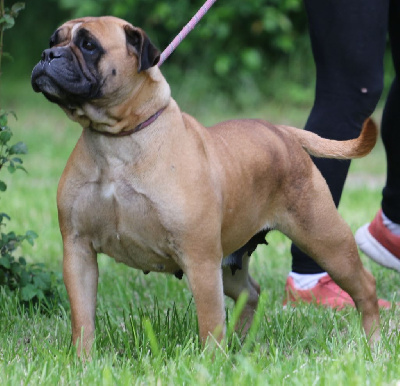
{"type": "Point", "coordinates": [52, 53]}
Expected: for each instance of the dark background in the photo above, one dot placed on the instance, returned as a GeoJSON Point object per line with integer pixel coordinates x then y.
{"type": "Point", "coordinates": [260, 47]}
{"type": "Point", "coordinates": [248, 42]}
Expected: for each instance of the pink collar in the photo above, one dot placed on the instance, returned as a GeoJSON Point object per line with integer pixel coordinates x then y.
{"type": "Point", "coordinates": [139, 127]}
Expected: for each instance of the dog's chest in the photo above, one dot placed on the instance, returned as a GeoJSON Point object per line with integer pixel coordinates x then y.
{"type": "Point", "coordinates": [124, 222]}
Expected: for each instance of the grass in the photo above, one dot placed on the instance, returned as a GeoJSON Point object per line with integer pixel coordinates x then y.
{"type": "Point", "coordinates": [146, 325]}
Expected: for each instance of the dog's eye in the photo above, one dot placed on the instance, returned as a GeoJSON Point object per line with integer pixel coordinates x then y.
{"type": "Point", "coordinates": [88, 45]}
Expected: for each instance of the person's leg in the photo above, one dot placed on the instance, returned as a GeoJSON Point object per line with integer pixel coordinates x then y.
{"type": "Point", "coordinates": [390, 129]}
{"type": "Point", "coordinates": [348, 42]}
{"type": "Point", "coordinates": [380, 240]}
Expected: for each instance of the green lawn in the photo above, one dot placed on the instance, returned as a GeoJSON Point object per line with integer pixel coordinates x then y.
{"type": "Point", "coordinates": [306, 345]}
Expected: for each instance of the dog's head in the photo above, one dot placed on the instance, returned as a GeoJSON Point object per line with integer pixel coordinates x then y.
{"type": "Point", "coordinates": [94, 60]}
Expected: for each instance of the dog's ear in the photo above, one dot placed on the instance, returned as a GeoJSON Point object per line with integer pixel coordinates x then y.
{"type": "Point", "coordinates": [137, 40]}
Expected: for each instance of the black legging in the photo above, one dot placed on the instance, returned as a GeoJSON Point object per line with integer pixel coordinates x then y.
{"type": "Point", "coordinates": [390, 129]}
{"type": "Point", "coordinates": [348, 40]}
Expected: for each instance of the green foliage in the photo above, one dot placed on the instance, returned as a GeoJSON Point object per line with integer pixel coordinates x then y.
{"type": "Point", "coordinates": [33, 282]}
{"type": "Point", "coordinates": [7, 21]}
{"type": "Point", "coordinates": [8, 18]}
{"type": "Point", "coordinates": [7, 152]}
{"type": "Point", "coordinates": [238, 47]}
{"type": "Point", "coordinates": [235, 39]}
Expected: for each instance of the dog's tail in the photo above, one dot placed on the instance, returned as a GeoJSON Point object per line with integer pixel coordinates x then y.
{"type": "Point", "coordinates": [326, 148]}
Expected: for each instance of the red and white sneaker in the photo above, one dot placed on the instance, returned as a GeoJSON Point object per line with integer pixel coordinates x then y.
{"type": "Point", "coordinates": [326, 293]}
{"type": "Point", "coordinates": [379, 244]}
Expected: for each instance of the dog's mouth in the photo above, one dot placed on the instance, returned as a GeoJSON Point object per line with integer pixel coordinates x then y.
{"type": "Point", "coordinates": [43, 83]}
{"type": "Point", "coordinates": [60, 78]}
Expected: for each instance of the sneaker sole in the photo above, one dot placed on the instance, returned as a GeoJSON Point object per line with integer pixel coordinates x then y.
{"type": "Point", "coordinates": [374, 250]}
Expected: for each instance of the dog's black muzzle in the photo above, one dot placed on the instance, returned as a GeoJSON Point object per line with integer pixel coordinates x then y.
{"type": "Point", "coordinates": [61, 78]}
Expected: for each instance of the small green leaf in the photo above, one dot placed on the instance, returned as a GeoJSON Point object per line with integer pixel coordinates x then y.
{"type": "Point", "coordinates": [5, 136]}
{"type": "Point", "coordinates": [4, 215]}
{"type": "Point", "coordinates": [42, 281]}
{"type": "Point", "coordinates": [30, 236]}
{"type": "Point", "coordinates": [19, 167]}
{"type": "Point", "coordinates": [11, 167]}
{"type": "Point", "coordinates": [28, 292]}
{"type": "Point", "coordinates": [17, 8]}
{"type": "Point", "coordinates": [40, 294]}
{"type": "Point", "coordinates": [5, 262]}
{"type": "Point", "coordinates": [13, 114]}
{"type": "Point", "coordinates": [3, 187]}
{"type": "Point", "coordinates": [7, 21]}
{"type": "Point", "coordinates": [3, 120]}
{"type": "Point", "coordinates": [18, 148]}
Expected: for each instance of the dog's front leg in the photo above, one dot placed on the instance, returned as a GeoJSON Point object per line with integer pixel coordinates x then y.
{"type": "Point", "coordinates": [205, 280]}
{"type": "Point", "coordinates": [80, 277]}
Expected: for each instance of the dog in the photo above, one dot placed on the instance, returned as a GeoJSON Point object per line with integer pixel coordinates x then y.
{"type": "Point", "coordinates": [149, 186]}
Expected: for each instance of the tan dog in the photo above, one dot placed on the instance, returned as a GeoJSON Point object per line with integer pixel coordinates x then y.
{"type": "Point", "coordinates": [151, 187]}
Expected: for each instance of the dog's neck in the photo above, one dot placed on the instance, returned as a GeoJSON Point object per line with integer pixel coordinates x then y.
{"type": "Point", "coordinates": [144, 104]}
{"type": "Point", "coordinates": [143, 151]}
{"type": "Point", "coordinates": [139, 127]}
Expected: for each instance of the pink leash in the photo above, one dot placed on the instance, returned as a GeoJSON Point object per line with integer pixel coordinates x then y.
{"type": "Point", "coordinates": [185, 30]}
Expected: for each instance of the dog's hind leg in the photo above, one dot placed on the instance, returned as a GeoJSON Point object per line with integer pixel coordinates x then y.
{"type": "Point", "coordinates": [235, 283]}
{"type": "Point", "coordinates": [314, 225]}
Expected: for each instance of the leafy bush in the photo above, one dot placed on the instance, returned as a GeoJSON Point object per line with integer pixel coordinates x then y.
{"type": "Point", "coordinates": [243, 50]}
{"type": "Point", "coordinates": [235, 39]}
{"type": "Point", "coordinates": [33, 282]}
